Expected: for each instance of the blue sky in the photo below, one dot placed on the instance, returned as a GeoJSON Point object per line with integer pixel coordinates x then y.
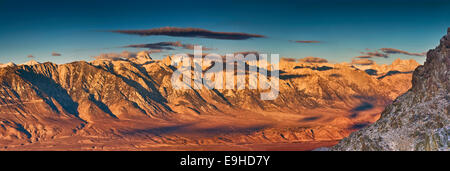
{"type": "Point", "coordinates": [76, 29]}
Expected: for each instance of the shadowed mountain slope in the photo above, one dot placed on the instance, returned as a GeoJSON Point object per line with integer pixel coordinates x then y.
{"type": "Point", "coordinates": [418, 119]}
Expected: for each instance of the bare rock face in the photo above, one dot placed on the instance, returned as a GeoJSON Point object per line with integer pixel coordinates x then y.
{"type": "Point", "coordinates": [417, 120]}
{"type": "Point", "coordinates": [31, 62]}
{"type": "Point", "coordinates": [142, 58]}
{"type": "Point", "coordinates": [7, 65]}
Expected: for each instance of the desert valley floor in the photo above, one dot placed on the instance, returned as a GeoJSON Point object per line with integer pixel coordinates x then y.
{"type": "Point", "coordinates": [224, 131]}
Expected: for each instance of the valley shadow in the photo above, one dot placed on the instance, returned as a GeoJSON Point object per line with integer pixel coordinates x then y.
{"type": "Point", "coordinates": [321, 68]}
{"type": "Point", "coordinates": [363, 106]}
{"type": "Point", "coordinates": [365, 98]}
{"type": "Point", "coordinates": [158, 130]}
{"type": "Point", "coordinates": [222, 97]}
{"type": "Point", "coordinates": [23, 130]}
{"type": "Point", "coordinates": [148, 62]}
{"type": "Point", "coordinates": [309, 119]}
{"type": "Point", "coordinates": [154, 94]}
{"type": "Point", "coordinates": [354, 115]}
{"type": "Point", "coordinates": [371, 71]}
{"type": "Point", "coordinates": [335, 75]}
{"type": "Point", "coordinates": [102, 106]}
{"type": "Point", "coordinates": [229, 130]}
{"type": "Point", "coordinates": [52, 90]}
{"type": "Point", "coordinates": [290, 76]}
{"type": "Point", "coordinates": [393, 73]}
{"type": "Point", "coordinates": [190, 129]}
{"type": "Point", "coordinates": [359, 125]}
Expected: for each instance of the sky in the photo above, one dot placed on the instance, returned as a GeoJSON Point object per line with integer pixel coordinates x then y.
{"type": "Point", "coordinates": [339, 31]}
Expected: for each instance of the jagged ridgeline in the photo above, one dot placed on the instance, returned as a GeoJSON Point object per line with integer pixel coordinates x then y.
{"type": "Point", "coordinates": [47, 100]}
{"type": "Point", "coordinates": [418, 119]}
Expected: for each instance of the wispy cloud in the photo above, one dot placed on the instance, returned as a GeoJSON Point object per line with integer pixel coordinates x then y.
{"type": "Point", "coordinates": [362, 62]}
{"type": "Point", "coordinates": [311, 59]}
{"type": "Point", "coordinates": [397, 51]}
{"type": "Point", "coordinates": [375, 54]}
{"type": "Point", "coordinates": [56, 54]}
{"type": "Point", "coordinates": [191, 46]}
{"type": "Point", "coordinates": [288, 59]}
{"type": "Point", "coordinates": [155, 51]}
{"type": "Point", "coordinates": [364, 56]}
{"type": "Point", "coordinates": [385, 52]}
{"type": "Point", "coordinates": [124, 54]}
{"type": "Point", "coordinates": [156, 46]}
{"type": "Point", "coordinates": [245, 53]}
{"type": "Point", "coordinates": [307, 41]}
{"type": "Point", "coordinates": [190, 32]}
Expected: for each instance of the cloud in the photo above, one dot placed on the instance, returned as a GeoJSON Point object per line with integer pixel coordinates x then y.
{"type": "Point", "coordinates": [307, 41]}
{"type": "Point", "coordinates": [126, 54]}
{"type": "Point", "coordinates": [385, 53]}
{"type": "Point", "coordinates": [190, 32]}
{"type": "Point", "coordinates": [397, 51]}
{"type": "Point", "coordinates": [288, 59]}
{"type": "Point", "coordinates": [375, 54]}
{"type": "Point", "coordinates": [362, 62]}
{"type": "Point", "coordinates": [155, 51]}
{"type": "Point", "coordinates": [311, 59]}
{"type": "Point", "coordinates": [114, 56]}
{"type": "Point", "coordinates": [30, 56]}
{"type": "Point", "coordinates": [191, 46]}
{"type": "Point", "coordinates": [364, 56]}
{"type": "Point", "coordinates": [245, 53]}
{"type": "Point", "coordinates": [56, 54]}
{"type": "Point", "coordinates": [165, 46]}
{"type": "Point", "coordinates": [156, 46]}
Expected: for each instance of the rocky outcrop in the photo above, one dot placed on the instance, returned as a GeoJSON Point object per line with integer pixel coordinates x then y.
{"type": "Point", "coordinates": [142, 58]}
{"type": "Point", "coordinates": [7, 64]}
{"type": "Point", "coordinates": [418, 119]}
{"type": "Point", "coordinates": [31, 62]}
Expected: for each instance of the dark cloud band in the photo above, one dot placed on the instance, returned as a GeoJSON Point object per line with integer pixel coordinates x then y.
{"type": "Point", "coordinates": [307, 41]}
{"type": "Point", "coordinates": [364, 56]}
{"type": "Point", "coordinates": [190, 32]}
{"type": "Point", "coordinates": [375, 54]}
{"type": "Point", "coordinates": [165, 46]}
{"type": "Point", "coordinates": [385, 53]}
{"type": "Point", "coordinates": [397, 51]}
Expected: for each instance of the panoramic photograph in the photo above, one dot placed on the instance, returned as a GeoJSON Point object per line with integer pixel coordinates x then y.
{"type": "Point", "coordinates": [224, 76]}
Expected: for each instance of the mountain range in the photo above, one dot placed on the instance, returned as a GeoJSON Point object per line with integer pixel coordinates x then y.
{"type": "Point", "coordinates": [113, 104]}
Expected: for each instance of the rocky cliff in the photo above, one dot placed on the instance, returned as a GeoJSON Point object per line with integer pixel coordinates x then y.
{"type": "Point", "coordinates": [418, 119]}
